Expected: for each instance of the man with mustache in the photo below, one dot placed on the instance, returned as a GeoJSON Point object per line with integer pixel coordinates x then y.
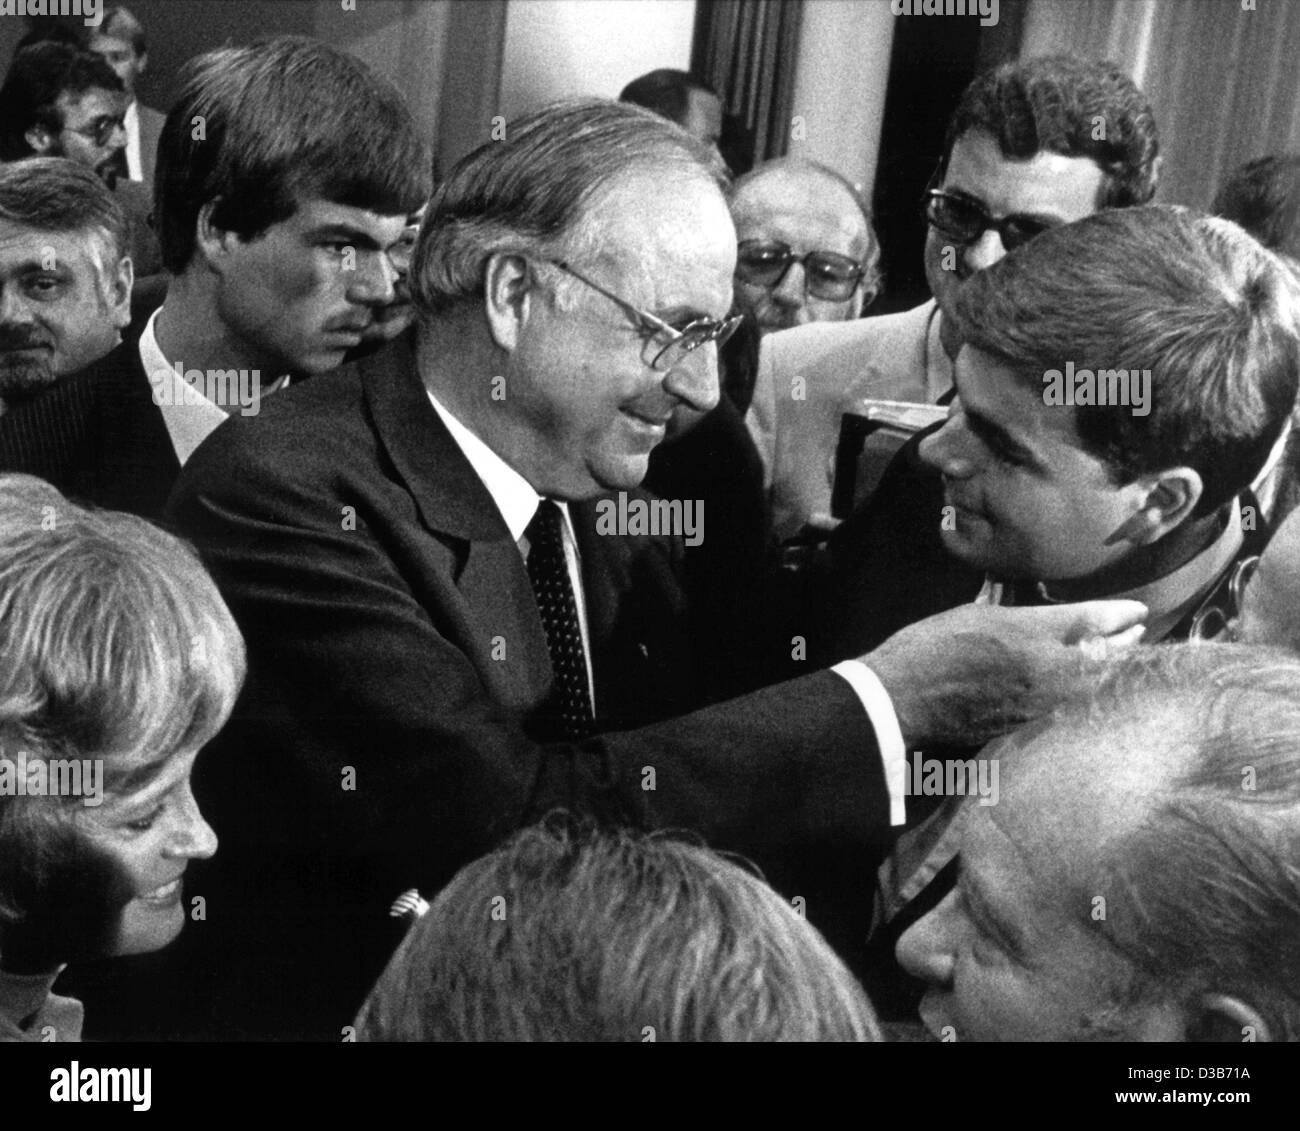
{"type": "Point", "coordinates": [286, 175]}
{"type": "Point", "coordinates": [59, 100]}
{"type": "Point", "coordinates": [65, 277]}
{"type": "Point", "coordinates": [1031, 145]}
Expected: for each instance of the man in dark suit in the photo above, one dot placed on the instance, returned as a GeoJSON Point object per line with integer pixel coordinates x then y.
{"type": "Point", "coordinates": [65, 278]}
{"type": "Point", "coordinates": [279, 264]}
{"type": "Point", "coordinates": [461, 611]}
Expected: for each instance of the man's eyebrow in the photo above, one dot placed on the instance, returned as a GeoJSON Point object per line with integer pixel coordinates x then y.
{"type": "Point", "coordinates": [350, 234]}
{"type": "Point", "coordinates": [981, 910]}
{"type": "Point", "coordinates": [998, 437]}
{"type": "Point", "coordinates": [37, 266]}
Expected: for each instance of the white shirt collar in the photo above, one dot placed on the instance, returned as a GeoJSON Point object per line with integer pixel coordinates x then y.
{"type": "Point", "coordinates": [131, 124]}
{"type": "Point", "coordinates": [189, 416]}
{"type": "Point", "coordinates": [512, 493]}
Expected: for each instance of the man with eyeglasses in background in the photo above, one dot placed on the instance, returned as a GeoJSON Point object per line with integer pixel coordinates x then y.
{"type": "Point", "coordinates": [1031, 145]}
{"type": "Point", "coordinates": [449, 637]}
{"type": "Point", "coordinates": [807, 251]}
{"type": "Point", "coordinates": [59, 100]}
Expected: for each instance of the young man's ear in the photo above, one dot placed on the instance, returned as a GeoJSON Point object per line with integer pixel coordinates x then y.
{"type": "Point", "coordinates": [1167, 501]}
{"type": "Point", "coordinates": [507, 293]}
{"type": "Point", "coordinates": [211, 242]}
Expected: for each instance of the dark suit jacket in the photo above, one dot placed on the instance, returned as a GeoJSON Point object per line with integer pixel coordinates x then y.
{"type": "Point", "coordinates": [137, 203]}
{"type": "Point", "coordinates": [395, 655]}
{"type": "Point", "coordinates": [97, 436]}
{"type": "Point", "coordinates": [886, 566]}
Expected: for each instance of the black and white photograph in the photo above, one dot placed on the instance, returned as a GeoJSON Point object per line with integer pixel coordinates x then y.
{"type": "Point", "coordinates": [546, 522]}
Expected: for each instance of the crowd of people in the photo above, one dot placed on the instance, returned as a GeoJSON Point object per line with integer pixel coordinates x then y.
{"type": "Point", "coordinates": [306, 474]}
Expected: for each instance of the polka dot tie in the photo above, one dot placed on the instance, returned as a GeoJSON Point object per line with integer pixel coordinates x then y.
{"type": "Point", "coordinates": [566, 714]}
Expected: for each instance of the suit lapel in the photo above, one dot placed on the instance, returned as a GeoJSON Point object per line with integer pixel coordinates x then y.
{"type": "Point", "coordinates": [504, 630]}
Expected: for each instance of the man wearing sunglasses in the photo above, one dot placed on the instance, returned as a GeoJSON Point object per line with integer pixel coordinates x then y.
{"type": "Point", "coordinates": [61, 101]}
{"type": "Point", "coordinates": [451, 637]}
{"type": "Point", "coordinates": [1031, 145]}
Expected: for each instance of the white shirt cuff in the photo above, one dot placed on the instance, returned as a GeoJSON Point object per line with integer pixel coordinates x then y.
{"type": "Point", "coordinates": [889, 735]}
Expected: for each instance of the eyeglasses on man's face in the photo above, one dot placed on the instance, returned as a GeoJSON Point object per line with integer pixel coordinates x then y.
{"type": "Point", "coordinates": [101, 130]}
{"type": "Point", "coordinates": [963, 220]}
{"type": "Point", "coordinates": [827, 274]}
{"type": "Point", "coordinates": [681, 342]}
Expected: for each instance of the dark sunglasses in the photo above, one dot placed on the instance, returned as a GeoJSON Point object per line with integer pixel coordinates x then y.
{"type": "Point", "coordinates": [827, 275]}
{"type": "Point", "coordinates": [964, 220]}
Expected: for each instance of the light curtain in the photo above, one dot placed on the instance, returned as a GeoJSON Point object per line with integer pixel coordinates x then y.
{"type": "Point", "coordinates": [1222, 78]}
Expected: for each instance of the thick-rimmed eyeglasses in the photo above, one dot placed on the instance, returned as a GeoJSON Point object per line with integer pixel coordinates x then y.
{"type": "Point", "coordinates": [827, 274]}
{"type": "Point", "coordinates": [683, 342]}
{"type": "Point", "coordinates": [100, 131]}
{"type": "Point", "coordinates": [964, 220]}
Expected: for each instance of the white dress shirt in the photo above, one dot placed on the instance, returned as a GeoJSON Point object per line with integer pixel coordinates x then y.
{"type": "Point", "coordinates": [187, 413]}
{"type": "Point", "coordinates": [131, 124]}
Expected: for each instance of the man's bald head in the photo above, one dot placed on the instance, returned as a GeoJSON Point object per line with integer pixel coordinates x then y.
{"type": "Point", "coordinates": [800, 206]}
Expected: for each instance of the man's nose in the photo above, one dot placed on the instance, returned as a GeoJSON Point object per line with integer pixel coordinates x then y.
{"type": "Point", "coordinates": [790, 291]}
{"type": "Point", "coordinates": [14, 309]}
{"type": "Point", "coordinates": [983, 252]}
{"type": "Point", "coordinates": [694, 379]}
{"type": "Point", "coordinates": [951, 448]}
{"type": "Point", "coordinates": [927, 949]}
{"type": "Point", "coordinates": [372, 280]}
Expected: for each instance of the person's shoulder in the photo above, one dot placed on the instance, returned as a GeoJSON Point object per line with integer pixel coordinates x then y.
{"type": "Point", "coordinates": [808, 345]}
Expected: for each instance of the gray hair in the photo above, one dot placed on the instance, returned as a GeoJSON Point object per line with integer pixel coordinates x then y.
{"type": "Point", "coordinates": [1211, 876]}
{"type": "Point", "coordinates": [53, 194]}
{"type": "Point", "coordinates": [530, 192]}
{"type": "Point", "coordinates": [568, 933]}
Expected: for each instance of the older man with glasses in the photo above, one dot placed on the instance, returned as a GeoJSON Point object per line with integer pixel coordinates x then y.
{"type": "Point", "coordinates": [450, 641]}
{"type": "Point", "coordinates": [807, 249]}
{"type": "Point", "coordinates": [1031, 145]}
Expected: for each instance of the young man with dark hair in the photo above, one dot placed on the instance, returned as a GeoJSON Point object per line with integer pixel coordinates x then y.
{"type": "Point", "coordinates": [680, 97]}
{"type": "Point", "coordinates": [1031, 145]}
{"type": "Point", "coordinates": [286, 175]}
